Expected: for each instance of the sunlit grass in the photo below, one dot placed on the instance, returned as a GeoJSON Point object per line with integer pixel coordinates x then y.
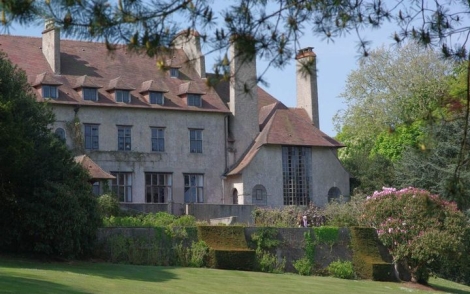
{"type": "Point", "coordinates": [26, 276]}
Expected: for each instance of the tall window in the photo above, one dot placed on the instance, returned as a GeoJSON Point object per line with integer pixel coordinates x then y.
{"type": "Point", "coordinates": [49, 91]}
{"type": "Point", "coordinates": [259, 195]}
{"type": "Point", "coordinates": [96, 188]}
{"type": "Point", "coordinates": [296, 174]}
{"type": "Point", "coordinates": [122, 186]}
{"type": "Point", "coordinates": [60, 133]}
{"type": "Point", "coordinates": [91, 137]}
{"type": "Point", "coordinates": [194, 100]}
{"type": "Point", "coordinates": [124, 138]}
{"type": "Point", "coordinates": [157, 187]}
{"type": "Point", "coordinates": [195, 141]}
{"type": "Point", "coordinates": [193, 188]}
{"type": "Point", "coordinates": [156, 98]}
{"type": "Point", "coordinates": [123, 96]}
{"type": "Point", "coordinates": [158, 139]}
{"type": "Point", "coordinates": [90, 94]}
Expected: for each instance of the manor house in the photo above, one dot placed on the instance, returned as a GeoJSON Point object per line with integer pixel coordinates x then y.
{"type": "Point", "coordinates": [166, 137]}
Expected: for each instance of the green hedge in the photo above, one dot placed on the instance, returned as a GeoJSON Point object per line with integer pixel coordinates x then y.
{"type": "Point", "coordinates": [223, 237]}
{"type": "Point", "coordinates": [241, 259]}
{"type": "Point", "coordinates": [367, 261]}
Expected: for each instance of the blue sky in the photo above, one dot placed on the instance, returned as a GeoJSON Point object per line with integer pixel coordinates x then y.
{"type": "Point", "coordinates": [335, 60]}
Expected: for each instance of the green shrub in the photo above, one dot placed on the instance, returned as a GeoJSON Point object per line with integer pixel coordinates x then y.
{"type": "Point", "coordinates": [345, 214]}
{"type": "Point", "coordinates": [266, 238]}
{"type": "Point", "coordinates": [108, 205]}
{"type": "Point", "coordinates": [199, 250]}
{"type": "Point", "coordinates": [326, 234]}
{"type": "Point", "coordinates": [303, 266]}
{"type": "Point", "coordinates": [269, 263]}
{"type": "Point", "coordinates": [341, 269]}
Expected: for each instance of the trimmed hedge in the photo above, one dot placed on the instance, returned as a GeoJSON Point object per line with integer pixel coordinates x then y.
{"type": "Point", "coordinates": [367, 261]}
{"type": "Point", "coordinates": [228, 247]}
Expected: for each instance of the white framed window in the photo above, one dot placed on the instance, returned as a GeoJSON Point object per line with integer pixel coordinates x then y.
{"type": "Point", "coordinates": [195, 141]}
{"type": "Point", "coordinates": [158, 139]}
{"type": "Point", "coordinates": [156, 98]}
{"type": "Point", "coordinates": [122, 186]}
{"type": "Point", "coordinates": [123, 96]}
{"type": "Point", "coordinates": [158, 187]}
{"type": "Point", "coordinates": [174, 72]}
{"type": "Point", "coordinates": [194, 188]}
{"type": "Point", "coordinates": [50, 91]}
{"type": "Point", "coordinates": [124, 138]}
{"type": "Point", "coordinates": [90, 94]}
{"type": "Point", "coordinates": [91, 136]}
{"type": "Point", "coordinates": [194, 100]}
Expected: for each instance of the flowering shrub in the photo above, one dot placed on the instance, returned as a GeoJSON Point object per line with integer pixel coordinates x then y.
{"type": "Point", "coordinates": [417, 227]}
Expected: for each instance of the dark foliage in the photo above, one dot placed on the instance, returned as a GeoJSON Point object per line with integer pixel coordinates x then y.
{"type": "Point", "coordinates": [47, 205]}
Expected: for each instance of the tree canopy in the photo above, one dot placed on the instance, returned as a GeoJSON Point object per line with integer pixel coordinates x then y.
{"type": "Point", "coordinates": [47, 204]}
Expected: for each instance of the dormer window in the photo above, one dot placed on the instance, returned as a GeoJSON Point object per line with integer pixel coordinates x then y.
{"type": "Point", "coordinates": [90, 94]}
{"type": "Point", "coordinates": [194, 100]}
{"type": "Point", "coordinates": [50, 91]}
{"type": "Point", "coordinates": [174, 72]}
{"type": "Point", "coordinates": [123, 96]}
{"type": "Point", "coordinates": [156, 98]}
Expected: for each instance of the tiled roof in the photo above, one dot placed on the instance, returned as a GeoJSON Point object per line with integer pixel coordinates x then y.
{"type": "Point", "coordinates": [94, 170]}
{"type": "Point", "coordinates": [190, 88]}
{"type": "Point", "coordinates": [85, 82]}
{"type": "Point", "coordinates": [46, 79]}
{"type": "Point", "coordinates": [119, 84]}
{"type": "Point", "coordinates": [79, 58]}
{"type": "Point", "coordinates": [157, 86]}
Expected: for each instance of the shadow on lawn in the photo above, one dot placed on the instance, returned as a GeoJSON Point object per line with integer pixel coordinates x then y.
{"type": "Point", "coordinates": [9, 284]}
{"type": "Point", "coordinates": [450, 290]}
{"type": "Point", "coordinates": [105, 270]}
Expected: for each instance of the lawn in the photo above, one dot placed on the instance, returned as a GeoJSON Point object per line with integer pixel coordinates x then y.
{"type": "Point", "coordinates": [26, 276]}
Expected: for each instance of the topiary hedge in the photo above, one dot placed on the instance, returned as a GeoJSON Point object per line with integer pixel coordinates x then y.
{"type": "Point", "coordinates": [367, 261]}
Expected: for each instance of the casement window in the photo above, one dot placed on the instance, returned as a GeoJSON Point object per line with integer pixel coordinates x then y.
{"type": "Point", "coordinates": [124, 138]}
{"type": "Point", "coordinates": [193, 188]}
{"type": "Point", "coordinates": [194, 100]}
{"type": "Point", "coordinates": [123, 96]}
{"type": "Point", "coordinates": [91, 137]}
{"type": "Point", "coordinates": [121, 186]}
{"type": "Point", "coordinates": [174, 72]}
{"type": "Point", "coordinates": [60, 133]}
{"type": "Point", "coordinates": [156, 98]}
{"type": "Point", "coordinates": [50, 91]}
{"type": "Point", "coordinates": [158, 187]}
{"type": "Point", "coordinates": [259, 195]}
{"type": "Point", "coordinates": [296, 174]}
{"type": "Point", "coordinates": [90, 94]}
{"type": "Point", "coordinates": [96, 189]}
{"type": "Point", "coordinates": [158, 139]}
{"type": "Point", "coordinates": [195, 141]}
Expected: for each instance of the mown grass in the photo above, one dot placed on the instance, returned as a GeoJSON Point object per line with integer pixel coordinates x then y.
{"type": "Point", "coordinates": [19, 275]}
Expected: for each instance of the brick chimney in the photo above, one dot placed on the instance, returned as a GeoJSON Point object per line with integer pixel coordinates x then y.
{"type": "Point", "coordinates": [51, 45]}
{"type": "Point", "coordinates": [190, 42]}
{"type": "Point", "coordinates": [244, 125]}
{"type": "Point", "coordinates": [306, 76]}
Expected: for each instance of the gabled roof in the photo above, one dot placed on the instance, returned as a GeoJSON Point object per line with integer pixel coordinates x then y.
{"type": "Point", "coordinates": [94, 170]}
{"type": "Point", "coordinates": [46, 79]}
{"type": "Point", "coordinates": [119, 84]}
{"type": "Point", "coordinates": [85, 82]}
{"type": "Point", "coordinates": [157, 86]}
{"type": "Point", "coordinates": [102, 68]}
{"type": "Point", "coordinates": [190, 88]}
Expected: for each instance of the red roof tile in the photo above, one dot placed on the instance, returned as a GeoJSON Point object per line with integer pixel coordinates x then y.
{"type": "Point", "coordinates": [94, 170]}
{"type": "Point", "coordinates": [101, 66]}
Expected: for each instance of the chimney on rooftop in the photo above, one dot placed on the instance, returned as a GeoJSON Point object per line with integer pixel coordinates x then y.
{"type": "Point", "coordinates": [306, 76]}
{"type": "Point", "coordinates": [51, 45]}
{"type": "Point", "coordinates": [243, 103]}
{"type": "Point", "coordinates": [190, 42]}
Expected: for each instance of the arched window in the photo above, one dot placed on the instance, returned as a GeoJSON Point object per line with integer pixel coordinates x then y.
{"type": "Point", "coordinates": [333, 194]}
{"type": "Point", "coordinates": [60, 133]}
{"type": "Point", "coordinates": [259, 195]}
{"type": "Point", "coordinates": [235, 196]}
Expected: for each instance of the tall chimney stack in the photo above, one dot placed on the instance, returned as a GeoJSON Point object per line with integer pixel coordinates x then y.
{"type": "Point", "coordinates": [306, 76]}
{"type": "Point", "coordinates": [243, 104]}
{"type": "Point", "coordinates": [51, 45]}
{"type": "Point", "coordinates": [190, 42]}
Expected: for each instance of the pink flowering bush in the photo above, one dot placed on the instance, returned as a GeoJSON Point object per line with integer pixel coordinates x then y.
{"type": "Point", "coordinates": [417, 227]}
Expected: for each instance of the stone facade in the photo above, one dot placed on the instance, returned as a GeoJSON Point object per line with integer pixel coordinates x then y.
{"type": "Point", "coordinates": [231, 144]}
